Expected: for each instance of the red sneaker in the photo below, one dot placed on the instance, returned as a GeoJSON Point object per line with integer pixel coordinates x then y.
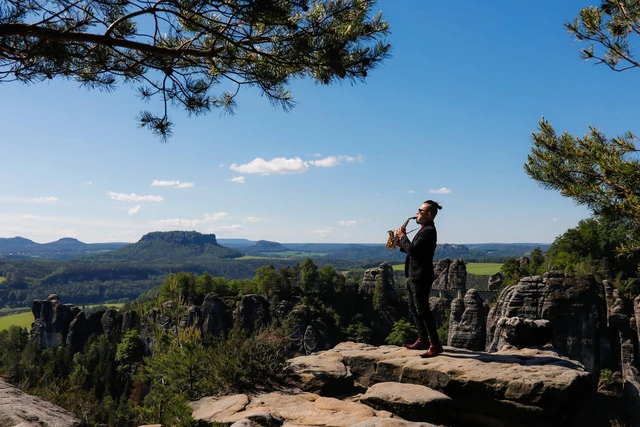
{"type": "Point", "coordinates": [432, 352]}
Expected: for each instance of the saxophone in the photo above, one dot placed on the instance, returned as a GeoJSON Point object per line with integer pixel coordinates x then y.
{"type": "Point", "coordinates": [392, 241]}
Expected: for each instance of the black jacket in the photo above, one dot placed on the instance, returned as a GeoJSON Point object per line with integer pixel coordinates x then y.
{"type": "Point", "coordinates": [418, 266]}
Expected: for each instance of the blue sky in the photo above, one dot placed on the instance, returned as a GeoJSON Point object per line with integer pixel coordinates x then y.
{"type": "Point", "coordinates": [448, 117]}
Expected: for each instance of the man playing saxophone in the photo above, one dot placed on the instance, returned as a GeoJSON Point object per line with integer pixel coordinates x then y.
{"type": "Point", "coordinates": [418, 269]}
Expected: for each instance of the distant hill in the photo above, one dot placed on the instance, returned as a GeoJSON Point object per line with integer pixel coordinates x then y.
{"type": "Point", "coordinates": [65, 248]}
{"type": "Point", "coordinates": [265, 246]}
{"type": "Point", "coordinates": [171, 247]}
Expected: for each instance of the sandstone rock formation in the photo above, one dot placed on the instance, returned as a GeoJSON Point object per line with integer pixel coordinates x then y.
{"type": "Point", "coordinates": [512, 387]}
{"type": "Point", "coordinates": [450, 275]}
{"type": "Point", "coordinates": [23, 410]}
{"type": "Point", "coordinates": [290, 408]}
{"type": "Point", "coordinates": [412, 402]}
{"type": "Point", "coordinates": [467, 322]}
{"type": "Point", "coordinates": [384, 271]}
{"type": "Point", "coordinates": [495, 282]}
{"type": "Point", "coordinates": [215, 319]}
{"type": "Point", "coordinates": [253, 312]}
{"type": "Point", "coordinates": [572, 306]}
{"type": "Point", "coordinates": [51, 318]}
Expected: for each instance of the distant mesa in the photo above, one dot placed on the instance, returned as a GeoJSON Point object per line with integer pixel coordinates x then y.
{"type": "Point", "coordinates": [266, 246]}
{"type": "Point", "coordinates": [173, 246]}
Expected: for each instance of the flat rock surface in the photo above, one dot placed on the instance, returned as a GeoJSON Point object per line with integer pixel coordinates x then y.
{"type": "Point", "coordinates": [21, 409]}
{"type": "Point", "coordinates": [294, 408]}
{"type": "Point", "coordinates": [532, 384]}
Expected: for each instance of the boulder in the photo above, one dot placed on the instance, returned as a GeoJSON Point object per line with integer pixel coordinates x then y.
{"type": "Point", "coordinates": [23, 410]}
{"type": "Point", "coordinates": [293, 408]}
{"type": "Point", "coordinates": [519, 332]}
{"type": "Point", "coordinates": [532, 386]}
{"type": "Point", "coordinates": [410, 401]}
{"type": "Point", "coordinates": [495, 282]}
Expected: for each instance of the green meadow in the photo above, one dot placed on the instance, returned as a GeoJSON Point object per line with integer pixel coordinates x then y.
{"type": "Point", "coordinates": [23, 320]}
{"type": "Point", "coordinates": [483, 268]}
{"type": "Point", "coordinates": [479, 268]}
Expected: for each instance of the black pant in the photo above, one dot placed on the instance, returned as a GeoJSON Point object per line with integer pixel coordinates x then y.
{"type": "Point", "coordinates": [420, 310]}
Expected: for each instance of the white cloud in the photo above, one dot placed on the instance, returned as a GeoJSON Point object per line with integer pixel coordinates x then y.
{"type": "Point", "coordinates": [29, 216]}
{"type": "Point", "coordinates": [173, 184]}
{"type": "Point", "coordinates": [282, 166]}
{"type": "Point", "coordinates": [238, 179]}
{"type": "Point", "coordinates": [443, 190]}
{"type": "Point", "coordinates": [134, 210]}
{"type": "Point", "coordinates": [327, 162]}
{"type": "Point", "coordinates": [411, 191]}
{"type": "Point", "coordinates": [253, 219]}
{"type": "Point", "coordinates": [331, 161]}
{"type": "Point", "coordinates": [349, 223]}
{"type": "Point", "coordinates": [88, 182]}
{"type": "Point", "coordinates": [189, 223]}
{"type": "Point", "coordinates": [324, 232]}
{"type": "Point", "coordinates": [133, 197]}
{"type": "Point", "coordinates": [45, 199]}
{"type": "Point", "coordinates": [215, 216]}
{"type": "Point", "coordinates": [554, 219]}
{"type": "Point", "coordinates": [279, 165]}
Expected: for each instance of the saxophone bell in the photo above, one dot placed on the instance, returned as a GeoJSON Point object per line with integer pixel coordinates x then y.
{"type": "Point", "coordinates": [392, 240]}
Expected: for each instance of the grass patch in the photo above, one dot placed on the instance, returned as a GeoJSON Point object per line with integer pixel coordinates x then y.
{"type": "Point", "coordinates": [479, 268]}
{"type": "Point", "coordinates": [23, 320]}
{"type": "Point", "coordinates": [483, 268]}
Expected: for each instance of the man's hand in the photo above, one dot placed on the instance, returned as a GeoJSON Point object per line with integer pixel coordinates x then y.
{"type": "Point", "coordinates": [400, 233]}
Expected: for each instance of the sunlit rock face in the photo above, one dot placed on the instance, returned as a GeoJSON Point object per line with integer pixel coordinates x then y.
{"type": "Point", "coordinates": [572, 307]}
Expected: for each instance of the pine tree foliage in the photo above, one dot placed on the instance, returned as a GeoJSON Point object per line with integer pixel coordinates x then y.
{"type": "Point", "coordinates": [609, 28]}
{"type": "Point", "coordinates": [192, 54]}
{"type": "Point", "coordinates": [600, 173]}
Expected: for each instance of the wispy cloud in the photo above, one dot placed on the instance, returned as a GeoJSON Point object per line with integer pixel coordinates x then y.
{"type": "Point", "coordinates": [133, 197]}
{"type": "Point", "coordinates": [324, 232]}
{"type": "Point", "coordinates": [349, 223]}
{"type": "Point", "coordinates": [554, 219]}
{"type": "Point", "coordinates": [253, 219]}
{"type": "Point", "coordinates": [228, 228]}
{"type": "Point", "coordinates": [29, 216]}
{"type": "Point", "coordinates": [172, 184]}
{"type": "Point", "coordinates": [134, 210]}
{"type": "Point", "coordinates": [411, 191]}
{"type": "Point", "coordinates": [88, 182]}
{"type": "Point", "coordinates": [283, 166]}
{"type": "Point", "coordinates": [331, 161]}
{"type": "Point", "coordinates": [189, 223]}
{"type": "Point", "coordinates": [45, 199]}
{"type": "Point", "coordinates": [238, 179]}
{"type": "Point", "coordinates": [443, 190]}
{"type": "Point", "coordinates": [279, 165]}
